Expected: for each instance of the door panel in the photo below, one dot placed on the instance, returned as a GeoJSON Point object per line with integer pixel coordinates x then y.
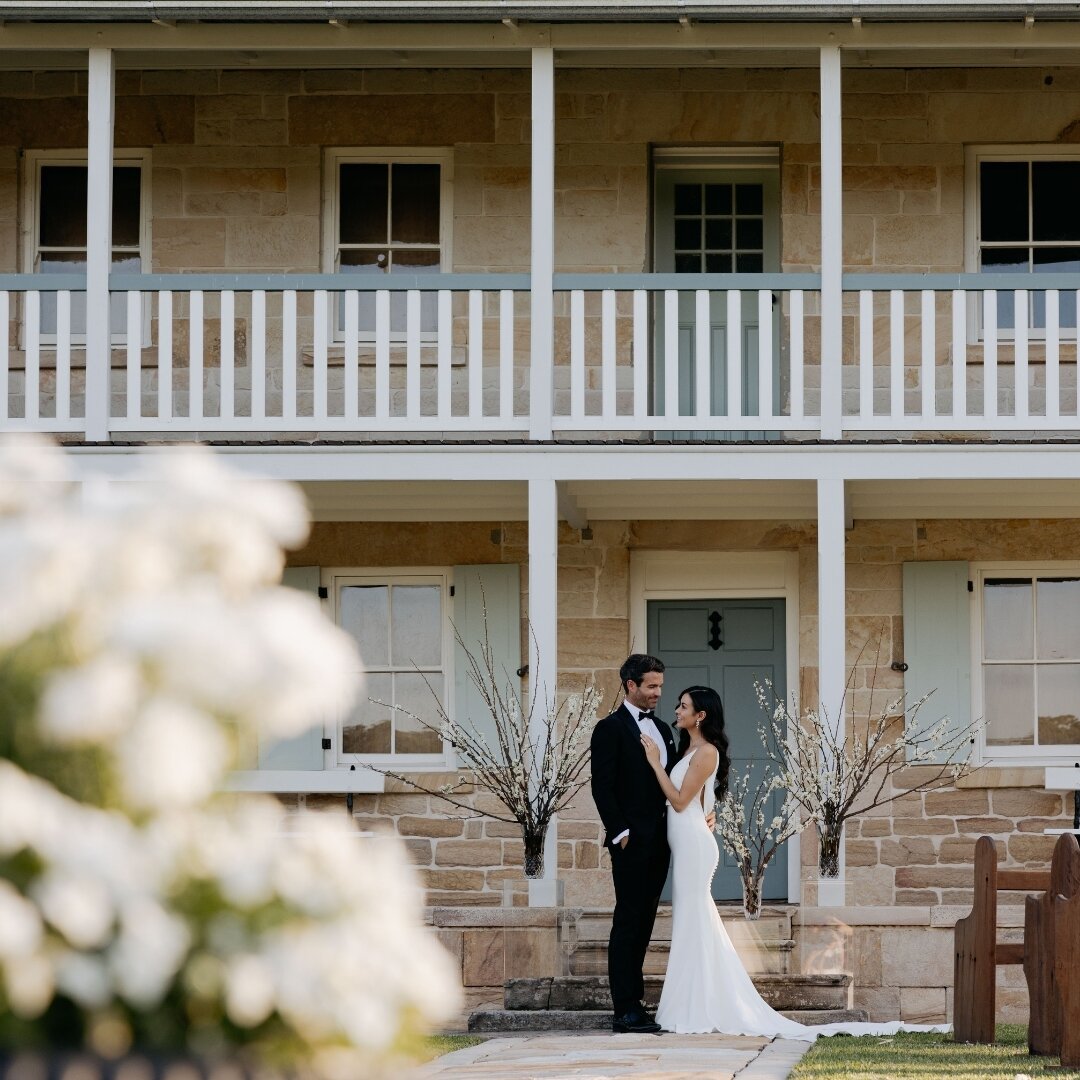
{"type": "Point", "coordinates": [749, 648]}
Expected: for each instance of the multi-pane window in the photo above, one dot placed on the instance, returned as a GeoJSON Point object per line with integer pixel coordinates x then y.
{"type": "Point", "coordinates": [1030, 662]}
{"type": "Point", "coordinates": [59, 230]}
{"type": "Point", "coordinates": [389, 217]}
{"type": "Point", "coordinates": [719, 228]}
{"type": "Point", "coordinates": [399, 625]}
{"type": "Point", "coordinates": [1028, 223]}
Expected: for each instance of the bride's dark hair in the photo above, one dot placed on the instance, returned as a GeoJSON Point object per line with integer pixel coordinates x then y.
{"type": "Point", "coordinates": [705, 699]}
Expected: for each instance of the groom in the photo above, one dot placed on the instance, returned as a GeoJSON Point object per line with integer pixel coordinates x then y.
{"type": "Point", "coordinates": [633, 810]}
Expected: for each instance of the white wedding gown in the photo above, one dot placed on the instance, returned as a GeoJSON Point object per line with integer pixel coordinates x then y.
{"type": "Point", "coordinates": [706, 987]}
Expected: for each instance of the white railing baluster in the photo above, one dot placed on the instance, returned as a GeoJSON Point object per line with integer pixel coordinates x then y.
{"type": "Point", "coordinates": [896, 355]}
{"type": "Point", "coordinates": [444, 403]}
{"type": "Point", "coordinates": [33, 356]}
{"type": "Point", "coordinates": [990, 352]}
{"type": "Point", "coordinates": [227, 410]}
{"type": "Point", "coordinates": [734, 353]}
{"type": "Point", "coordinates": [1021, 408]}
{"type": "Point", "coordinates": [257, 352]}
{"type": "Point", "coordinates": [288, 354]}
{"type": "Point", "coordinates": [321, 333]}
{"type": "Point", "coordinates": [702, 353]}
{"type": "Point", "coordinates": [1053, 355]}
{"type": "Point", "coordinates": [866, 353]}
{"type": "Point", "coordinates": [165, 355]}
{"type": "Point", "coordinates": [506, 354]}
{"type": "Point", "coordinates": [607, 355]}
{"type": "Point", "coordinates": [195, 355]}
{"type": "Point", "coordinates": [476, 354]}
{"type": "Point", "coordinates": [382, 354]}
{"type": "Point", "coordinates": [134, 355]}
{"type": "Point", "coordinates": [797, 351]}
{"type": "Point", "coordinates": [352, 354]}
{"type": "Point", "coordinates": [63, 354]}
{"type": "Point", "coordinates": [412, 354]}
{"type": "Point", "coordinates": [671, 353]}
{"type": "Point", "coordinates": [928, 355]}
{"type": "Point", "coordinates": [577, 353]}
{"type": "Point", "coordinates": [959, 354]}
{"type": "Point", "coordinates": [641, 354]}
{"type": "Point", "coordinates": [5, 352]}
{"type": "Point", "coordinates": [765, 353]}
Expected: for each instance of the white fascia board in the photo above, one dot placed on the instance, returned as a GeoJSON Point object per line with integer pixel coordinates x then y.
{"type": "Point", "coordinates": [300, 782]}
{"type": "Point", "coordinates": [565, 462]}
{"type": "Point", "coordinates": [1062, 778]}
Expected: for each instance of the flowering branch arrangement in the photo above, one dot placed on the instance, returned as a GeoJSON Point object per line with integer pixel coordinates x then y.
{"type": "Point", "coordinates": [834, 771]}
{"type": "Point", "coordinates": [753, 831]}
{"type": "Point", "coordinates": [144, 641]}
{"type": "Point", "coordinates": [532, 774]}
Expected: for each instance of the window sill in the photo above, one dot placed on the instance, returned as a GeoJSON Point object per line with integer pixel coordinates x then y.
{"type": "Point", "coordinates": [1003, 776]}
{"type": "Point", "coordinates": [335, 355]}
{"type": "Point", "coordinates": [343, 781]}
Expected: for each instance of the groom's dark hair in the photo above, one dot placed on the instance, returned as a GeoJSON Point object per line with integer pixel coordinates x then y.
{"type": "Point", "coordinates": [637, 666]}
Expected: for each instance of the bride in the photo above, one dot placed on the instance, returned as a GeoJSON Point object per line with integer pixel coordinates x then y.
{"type": "Point", "coordinates": [706, 987]}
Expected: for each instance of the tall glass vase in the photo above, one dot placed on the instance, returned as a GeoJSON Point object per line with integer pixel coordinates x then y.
{"type": "Point", "coordinates": [751, 896]}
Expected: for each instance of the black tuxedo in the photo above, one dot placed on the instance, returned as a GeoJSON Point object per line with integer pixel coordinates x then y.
{"type": "Point", "coordinates": [627, 795]}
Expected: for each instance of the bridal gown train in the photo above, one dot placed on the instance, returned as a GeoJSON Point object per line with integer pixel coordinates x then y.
{"type": "Point", "coordinates": [706, 987]}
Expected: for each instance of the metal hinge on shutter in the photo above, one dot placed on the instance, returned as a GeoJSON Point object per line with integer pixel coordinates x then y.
{"type": "Point", "coordinates": [451, 590]}
{"type": "Point", "coordinates": [324, 593]}
{"type": "Point", "coordinates": [971, 586]}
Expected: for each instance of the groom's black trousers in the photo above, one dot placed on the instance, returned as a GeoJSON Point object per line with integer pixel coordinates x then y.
{"type": "Point", "coordinates": [639, 871]}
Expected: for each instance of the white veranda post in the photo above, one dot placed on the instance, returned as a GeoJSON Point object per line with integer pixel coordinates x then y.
{"type": "Point", "coordinates": [543, 648]}
{"type": "Point", "coordinates": [100, 108]}
{"type": "Point", "coordinates": [832, 636]}
{"type": "Point", "coordinates": [832, 245]}
{"type": "Point", "coordinates": [542, 264]}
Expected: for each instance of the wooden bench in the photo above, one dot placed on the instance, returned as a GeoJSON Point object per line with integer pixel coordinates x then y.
{"type": "Point", "coordinates": [978, 953]}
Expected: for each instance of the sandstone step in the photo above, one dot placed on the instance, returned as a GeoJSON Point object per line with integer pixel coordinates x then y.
{"type": "Point", "coordinates": [594, 924]}
{"type": "Point", "coordinates": [517, 1020]}
{"type": "Point", "coordinates": [590, 993]}
{"type": "Point", "coordinates": [759, 955]}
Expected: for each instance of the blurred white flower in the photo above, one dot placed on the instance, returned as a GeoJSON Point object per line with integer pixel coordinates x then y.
{"type": "Point", "coordinates": [30, 985]}
{"type": "Point", "coordinates": [84, 977]}
{"type": "Point", "coordinates": [90, 703]}
{"type": "Point", "coordinates": [20, 925]}
{"type": "Point", "coordinates": [148, 951]}
{"type": "Point", "coordinates": [249, 991]}
{"type": "Point", "coordinates": [77, 904]}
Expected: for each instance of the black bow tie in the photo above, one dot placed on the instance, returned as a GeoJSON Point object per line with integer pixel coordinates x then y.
{"type": "Point", "coordinates": [646, 716]}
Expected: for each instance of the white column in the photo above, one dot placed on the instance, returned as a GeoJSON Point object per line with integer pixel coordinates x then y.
{"type": "Point", "coordinates": [100, 99]}
{"type": "Point", "coordinates": [543, 242]}
{"type": "Point", "coordinates": [543, 648]}
{"type": "Point", "coordinates": [832, 631]}
{"type": "Point", "coordinates": [832, 244]}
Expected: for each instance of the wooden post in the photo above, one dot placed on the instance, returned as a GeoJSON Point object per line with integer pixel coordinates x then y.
{"type": "Point", "coordinates": [1067, 973]}
{"type": "Point", "coordinates": [974, 990]}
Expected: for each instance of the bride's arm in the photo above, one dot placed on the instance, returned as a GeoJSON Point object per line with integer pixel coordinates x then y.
{"type": "Point", "coordinates": [701, 767]}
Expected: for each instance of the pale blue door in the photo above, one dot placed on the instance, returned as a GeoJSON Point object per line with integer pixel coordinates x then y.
{"type": "Point", "coordinates": [729, 645]}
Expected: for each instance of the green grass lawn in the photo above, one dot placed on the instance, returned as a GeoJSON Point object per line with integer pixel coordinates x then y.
{"type": "Point", "coordinates": [927, 1057]}
{"type": "Point", "coordinates": [436, 1045]}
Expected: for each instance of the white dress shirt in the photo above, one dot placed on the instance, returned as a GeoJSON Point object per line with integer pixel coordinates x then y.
{"type": "Point", "coordinates": [647, 726]}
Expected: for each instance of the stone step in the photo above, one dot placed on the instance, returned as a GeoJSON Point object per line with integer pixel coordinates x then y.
{"type": "Point", "coordinates": [590, 993]}
{"type": "Point", "coordinates": [518, 1020]}
{"type": "Point", "coordinates": [765, 956]}
{"type": "Point", "coordinates": [594, 924]}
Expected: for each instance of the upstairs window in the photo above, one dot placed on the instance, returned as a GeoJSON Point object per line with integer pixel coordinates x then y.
{"type": "Point", "coordinates": [1028, 222]}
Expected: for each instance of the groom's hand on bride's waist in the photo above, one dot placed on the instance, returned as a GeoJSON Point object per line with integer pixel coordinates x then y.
{"type": "Point", "coordinates": [710, 819]}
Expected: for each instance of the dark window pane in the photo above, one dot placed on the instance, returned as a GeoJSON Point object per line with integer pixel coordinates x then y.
{"type": "Point", "coordinates": [1003, 200]}
{"type": "Point", "coordinates": [1054, 189]}
{"type": "Point", "coordinates": [687, 198]}
{"type": "Point", "coordinates": [126, 206]}
{"type": "Point", "coordinates": [415, 204]}
{"type": "Point", "coordinates": [416, 262]}
{"type": "Point", "coordinates": [717, 264]}
{"type": "Point", "coordinates": [687, 264]}
{"type": "Point", "coordinates": [1057, 260]}
{"type": "Point", "coordinates": [749, 264]}
{"type": "Point", "coordinates": [749, 233]}
{"type": "Point", "coordinates": [1005, 260]}
{"type": "Point", "coordinates": [717, 198]}
{"type": "Point", "coordinates": [718, 234]}
{"type": "Point", "coordinates": [126, 264]}
{"type": "Point", "coordinates": [688, 234]}
{"type": "Point", "coordinates": [367, 261]}
{"type": "Point", "coordinates": [62, 262]}
{"type": "Point", "coordinates": [749, 199]}
{"type": "Point", "coordinates": [364, 196]}
{"type": "Point", "coordinates": [62, 210]}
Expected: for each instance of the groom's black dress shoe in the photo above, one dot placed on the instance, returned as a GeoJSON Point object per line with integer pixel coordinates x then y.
{"type": "Point", "coordinates": [634, 1023]}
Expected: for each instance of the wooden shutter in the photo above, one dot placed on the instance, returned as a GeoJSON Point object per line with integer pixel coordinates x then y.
{"type": "Point", "coordinates": [497, 587]}
{"type": "Point", "coordinates": [303, 751]}
{"type": "Point", "coordinates": [937, 640]}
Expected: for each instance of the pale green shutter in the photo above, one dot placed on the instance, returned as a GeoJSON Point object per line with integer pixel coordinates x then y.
{"type": "Point", "coordinates": [303, 751]}
{"type": "Point", "coordinates": [937, 640]}
{"type": "Point", "coordinates": [496, 586]}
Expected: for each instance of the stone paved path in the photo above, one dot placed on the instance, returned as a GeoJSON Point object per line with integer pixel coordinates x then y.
{"type": "Point", "coordinates": [597, 1057]}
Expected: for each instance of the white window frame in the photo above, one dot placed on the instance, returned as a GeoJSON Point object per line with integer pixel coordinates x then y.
{"type": "Point", "coordinates": [974, 156]}
{"type": "Point", "coordinates": [33, 161]}
{"type": "Point", "coordinates": [1010, 755]}
{"type": "Point", "coordinates": [332, 579]}
{"type": "Point", "coordinates": [336, 156]}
